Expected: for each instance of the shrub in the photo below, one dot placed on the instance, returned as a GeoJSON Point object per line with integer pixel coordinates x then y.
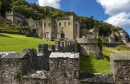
{"type": "Point", "coordinates": [92, 55]}
{"type": "Point", "coordinates": [100, 43]}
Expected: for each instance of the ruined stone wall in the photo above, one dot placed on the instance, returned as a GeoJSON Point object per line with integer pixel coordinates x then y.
{"type": "Point", "coordinates": [64, 68]}
{"type": "Point", "coordinates": [95, 78]}
{"type": "Point", "coordinates": [86, 48]}
{"type": "Point", "coordinates": [120, 67]}
{"type": "Point", "coordinates": [66, 46]}
{"type": "Point", "coordinates": [113, 44]}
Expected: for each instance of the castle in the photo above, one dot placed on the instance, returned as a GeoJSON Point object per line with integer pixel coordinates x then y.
{"type": "Point", "coordinates": [68, 28]}
{"type": "Point", "coordinates": [60, 63]}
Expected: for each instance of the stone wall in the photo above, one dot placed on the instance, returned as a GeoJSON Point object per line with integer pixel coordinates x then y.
{"type": "Point", "coordinates": [64, 68]}
{"type": "Point", "coordinates": [95, 78]}
{"type": "Point", "coordinates": [113, 44]}
{"type": "Point", "coordinates": [87, 45]}
{"type": "Point", "coordinates": [120, 67]}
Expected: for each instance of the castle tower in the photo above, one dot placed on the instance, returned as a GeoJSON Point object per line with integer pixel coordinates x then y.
{"type": "Point", "coordinates": [10, 15]}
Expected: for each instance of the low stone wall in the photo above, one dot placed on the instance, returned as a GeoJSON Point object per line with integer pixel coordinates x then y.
{"type": "Point", "coordinates": [95, 78]}
{"type": "Point", "coordinates": [120, 67]}
{"type": "Point", "coordinates": [64, 68]}
{"type": "Point", "coordinates": [114, 44]}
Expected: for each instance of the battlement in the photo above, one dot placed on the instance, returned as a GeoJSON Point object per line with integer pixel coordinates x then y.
{"type": "Point", "coordinates": [12, 13]}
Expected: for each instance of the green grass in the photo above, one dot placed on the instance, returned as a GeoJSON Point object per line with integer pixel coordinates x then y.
{"type": "Point", "coordinates": [88, 65]}
{"type": "Point", "coordinates": [15, 42]}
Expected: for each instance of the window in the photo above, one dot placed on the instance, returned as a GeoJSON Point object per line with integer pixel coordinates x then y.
{"type": "Point", "coordinates": [34, 30]}
{"type": "Point", "coordinates": [65, 24]}
{"type": "Point", "coordinates": [59, 23]}
{"type": "Point", "coordinates": [44, 24]}
{"type": "Point", "coordinates": [68, 23]}
{"type": "Point", "coordinates": [49, 24]}
{"type": "Point", "coordinates": [47, 35]}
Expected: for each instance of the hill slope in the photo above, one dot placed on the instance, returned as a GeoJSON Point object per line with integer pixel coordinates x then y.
{"type": "Point", "coordinates": [15, 42]}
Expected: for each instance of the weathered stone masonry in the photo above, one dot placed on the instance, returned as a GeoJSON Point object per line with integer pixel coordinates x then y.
{"type": "Point", "coordinates": [120, 67]}
{"type": "Point", "coordinates": [48, 67]}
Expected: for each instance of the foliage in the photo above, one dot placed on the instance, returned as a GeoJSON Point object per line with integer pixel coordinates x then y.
{"type": "Point", "coordinates": [92, 55]}
{"type": "Point", "coordinates": [99, 43]}
{"type": "Point", "coordinates": [7, 27]}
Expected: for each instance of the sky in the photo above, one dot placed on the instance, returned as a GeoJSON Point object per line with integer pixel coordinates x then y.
{"type": "Point", "coordinates": [115, 12]}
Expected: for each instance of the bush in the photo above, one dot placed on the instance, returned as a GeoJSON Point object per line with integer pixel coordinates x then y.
{"type": "Point", "coordinates": [92, 55]}
{"type": "Point", "coordinates": [100, 43]}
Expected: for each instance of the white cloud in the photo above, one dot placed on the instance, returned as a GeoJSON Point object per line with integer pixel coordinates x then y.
{"type": "Point", "coordinates": [119, 11]}
{"type": "Point", "coordinates": [52, 3]}
{"type": "Point", "coordinates": [121, 20]}
{"type": "Point", "coordinates": [115, 6]}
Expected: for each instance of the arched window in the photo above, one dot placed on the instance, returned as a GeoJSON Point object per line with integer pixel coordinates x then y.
{"type": "Point", "coordinates": [49, 24]}
{"type": "Point", "coordinates": [68, 23]}
{"type": "Point", "coordinates": [59, 23]}
{"type": "Point", "coordinates": [44, 24]}
{"type": "Point", "coordinates": [65, 24]}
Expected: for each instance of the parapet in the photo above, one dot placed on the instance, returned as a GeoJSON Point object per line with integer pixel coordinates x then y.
{"type": "Point", "coordinates": [64, 55]}
{"type": "Point", "coordinates": [120, 56]}
{"type": "Point", "coordinates": [12, 13]}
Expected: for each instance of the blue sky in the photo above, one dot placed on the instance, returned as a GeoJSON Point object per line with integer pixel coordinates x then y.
{"type": "Point", "coordinates": [116, 12]}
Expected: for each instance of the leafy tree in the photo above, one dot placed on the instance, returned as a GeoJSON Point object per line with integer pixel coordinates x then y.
{"type": "Point", "coordinates": [99, 43]}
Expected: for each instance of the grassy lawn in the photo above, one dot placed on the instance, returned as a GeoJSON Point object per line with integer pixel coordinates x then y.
{"type": "Point", "coordinates": [15, 42]}
{"type": "Point", "coordinates": [88, 65]}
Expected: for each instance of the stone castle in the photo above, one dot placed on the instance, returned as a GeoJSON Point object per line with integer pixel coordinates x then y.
{"type": "Point", "coordinates": [68, 28]}
{"type": "Point", "coordinates": [60, 63]}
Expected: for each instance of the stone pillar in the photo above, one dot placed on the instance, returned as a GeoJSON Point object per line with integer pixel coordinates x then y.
{"type": "Point", "coordinates": [32, 55]}
{"type": "Point", "coordinates": [53, 48]}
{"type": "Point", "coordinates": [64, 68]}
{"type": "Point", "coordinates": [120, 67]}
{"type": "Point", "coordinates": [43, 48]}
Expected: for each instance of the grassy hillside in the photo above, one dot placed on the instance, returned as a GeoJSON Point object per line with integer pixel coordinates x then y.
{"type": "Point", "coordinates": [89, 65]}
{"type": "Point", "coordinates": [15, 42]}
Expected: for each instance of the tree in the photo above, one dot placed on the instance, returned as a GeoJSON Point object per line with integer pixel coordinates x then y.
{"type": "Point", "coordinates": [99, 43]}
